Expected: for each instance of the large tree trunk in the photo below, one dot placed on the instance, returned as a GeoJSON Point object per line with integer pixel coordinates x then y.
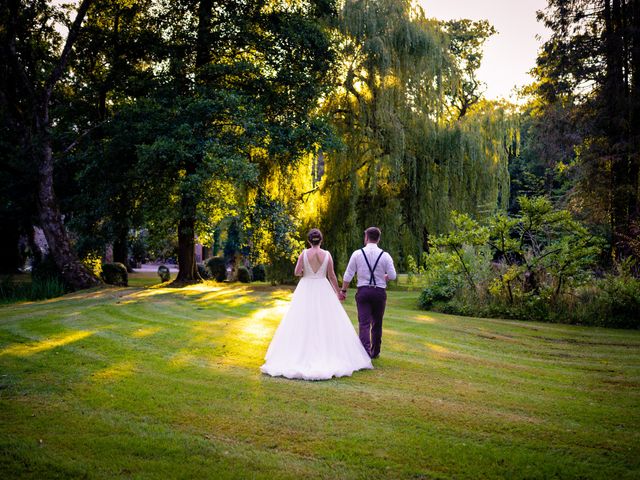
{"type": "Point", "coordinates": [188, 272]}
{"type": "Point", "coordinates": [74, 273]}
{"type": "Point", "coordinates": [121, 250]}
{"type": "Point", "coordinates": [617, 99]}
{"type": "Point", "coordinates": [634, 204]}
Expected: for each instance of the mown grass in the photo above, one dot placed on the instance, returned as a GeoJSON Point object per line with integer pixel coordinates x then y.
{"type": "Point", "coordinates": [158, 382]}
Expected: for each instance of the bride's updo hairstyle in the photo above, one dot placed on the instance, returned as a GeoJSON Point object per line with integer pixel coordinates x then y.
{"type": "Point", "coordinates": [314, 236]}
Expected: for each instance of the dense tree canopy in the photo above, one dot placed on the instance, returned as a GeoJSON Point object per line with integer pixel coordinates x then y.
{"type": "Point", "coordinates": [240, 124]}
{"type": "Point", "coordinates": [588, 100]}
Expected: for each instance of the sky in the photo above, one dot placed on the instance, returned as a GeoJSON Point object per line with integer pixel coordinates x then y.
{"type": "Point", "coordinates": [509, 54]}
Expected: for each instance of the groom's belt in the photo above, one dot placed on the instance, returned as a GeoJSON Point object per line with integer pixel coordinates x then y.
{"type": "Point", "coordinates": [372, 286]}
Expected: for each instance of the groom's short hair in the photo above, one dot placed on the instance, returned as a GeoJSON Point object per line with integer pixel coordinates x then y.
{"type": "Point", "coordinates": [373, 234]}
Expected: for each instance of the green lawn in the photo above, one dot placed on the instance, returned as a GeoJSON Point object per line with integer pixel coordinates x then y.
{"type": "Point", "coordinates": [164, 383]}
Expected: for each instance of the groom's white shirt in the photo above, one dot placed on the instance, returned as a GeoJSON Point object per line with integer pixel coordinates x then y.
{"type": "Point", "coordinates": [358, 265]}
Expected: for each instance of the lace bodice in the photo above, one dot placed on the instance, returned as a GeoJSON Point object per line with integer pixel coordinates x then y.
{"type": "Point", "coordinates": [308, 271]}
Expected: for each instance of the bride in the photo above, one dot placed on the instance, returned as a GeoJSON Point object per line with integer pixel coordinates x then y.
{"type": "Point", "coordinates": [315, 339]}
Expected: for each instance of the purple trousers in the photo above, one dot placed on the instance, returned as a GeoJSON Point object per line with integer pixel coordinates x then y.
{"type": "Point", "coordinates": [371, 302]}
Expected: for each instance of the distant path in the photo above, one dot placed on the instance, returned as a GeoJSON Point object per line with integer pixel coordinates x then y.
{"type": "Point", "coordinates": [153, 267]}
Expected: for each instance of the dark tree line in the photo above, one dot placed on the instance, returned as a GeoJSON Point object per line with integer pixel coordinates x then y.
{"type": "Point", "coordinates": [588, 97]}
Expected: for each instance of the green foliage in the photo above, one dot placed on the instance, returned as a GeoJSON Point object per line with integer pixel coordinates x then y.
{"type": "Point", "coordinates": [462, 241]}
{"type": "Point", "coordinates": [273, 232]}
{"type": "Point", "coordinates": [164, 273]}
{"type": "Point", "coordinates": [218, 268]}
{"type": "Point", "coordinates": [258, 273]}
{"type": "Point", "coordinates": [244, 276]}
{"type": "Point", "coordinates": [440, 290]}
{"type": "Point", "coordinates": [115, 274]}
{"type": "Point", "coordinates": [615, 301]}
{"type": "Point", "coordinates": [139, 246]}
{"type": "Point", "coordinates": [93, 262]}
{"type": "Point", "coordinates": [466, 45]}
{"type": "Point", "coordinates": [537, 265]}
{"type": "Point", "coordinates": [408, 159]}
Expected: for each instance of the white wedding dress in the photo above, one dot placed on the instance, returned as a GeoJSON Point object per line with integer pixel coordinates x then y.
{"type": "Point", "coordinates": [315, 339]}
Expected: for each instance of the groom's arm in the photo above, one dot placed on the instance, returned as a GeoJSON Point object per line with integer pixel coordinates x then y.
{"type": "Point", "coordinates": [349, 273]}
{"type": "Point", "coordinates": [391, 269]}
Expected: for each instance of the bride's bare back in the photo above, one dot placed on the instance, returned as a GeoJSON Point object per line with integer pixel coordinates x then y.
{"type": "Point", "coordinates": [315, 257]}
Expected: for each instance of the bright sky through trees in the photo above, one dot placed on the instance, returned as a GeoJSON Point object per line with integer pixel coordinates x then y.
{"type": "Point", "coordinates": [511, 53]}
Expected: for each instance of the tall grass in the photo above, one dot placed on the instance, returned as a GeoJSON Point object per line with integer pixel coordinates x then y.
{"type": "Point", "coordinates": [36, 289]}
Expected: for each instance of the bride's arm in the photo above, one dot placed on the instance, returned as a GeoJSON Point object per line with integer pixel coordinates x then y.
{"type": "Point", "coordinates": [298, 270]}
{"type": "Point", "coordinates": [332, 274]}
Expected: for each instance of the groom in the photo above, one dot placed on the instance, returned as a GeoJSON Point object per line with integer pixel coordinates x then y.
{"type": "Point", "coordinates": [374, 267]}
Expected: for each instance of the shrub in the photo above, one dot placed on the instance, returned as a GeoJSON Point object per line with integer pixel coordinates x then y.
{"type": "Point", "coordinates": [115, 274]}
{"type": "Point", "coordinates": [437, 292]}
{"type": "Point", "coordinates": [164, 273]}
{"type": "Point", "coordinates": [281, 271]}
{"type": "Point", "coordinates": [616, 303]}
{"type": "Point", "coordinates": [94, 263]}
{"type": "Point", "coordinates": [217, 268]}
{"type": "Point", "coordinates": [203, 271]}
{"type": "Point", "coordinates": [259, 273]}
{"type": "Point", "coordinates": [243, 275]}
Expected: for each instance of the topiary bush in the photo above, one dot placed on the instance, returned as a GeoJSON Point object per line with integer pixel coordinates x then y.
{"type": "Point", "coordinates": [203, 271]}
{"type": "Point", "coordinates": [115, 274]}
{"type": "Point", "coordinates": [217, 268]}
{"type": "Point", "coordinates": [164, 273]}
{"type": "Point", "coordinates": [259, 273]}
{"type": "Point", "coordinates": [243, 275]}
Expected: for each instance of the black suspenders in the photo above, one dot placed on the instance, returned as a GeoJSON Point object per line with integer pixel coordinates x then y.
{"type": "Point", "coordinates": [372, 278]}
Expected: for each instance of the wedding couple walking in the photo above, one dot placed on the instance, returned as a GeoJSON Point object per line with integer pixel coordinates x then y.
{"type": "Point", "coordinates": [315, 339]}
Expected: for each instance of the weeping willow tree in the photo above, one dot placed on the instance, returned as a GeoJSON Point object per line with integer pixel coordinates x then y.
{"type": "Point", "coordinates": [408, 157]}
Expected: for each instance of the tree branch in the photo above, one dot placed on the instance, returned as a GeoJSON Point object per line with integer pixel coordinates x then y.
{"type": "Point", "coordinates": [74, 31]}
{"type": "Point", "coordinates": [73, 144]}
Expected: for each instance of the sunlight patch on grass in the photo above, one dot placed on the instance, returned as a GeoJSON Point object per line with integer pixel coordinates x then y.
{"type": "Point", "coordinates": [425, 319]}
{"type": "Point", "coordinates": [437, 348]}
{"type": "Point", "coordinates": [24, 350]}
{"type": "Point", "coordinates": [259, 324]}
{"type": "Point", "coordinates": [182, 359]}
{"type": "Point", "coordinates": [146, 332]}
{"type": "Point", "coordinates": [115, 372]}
